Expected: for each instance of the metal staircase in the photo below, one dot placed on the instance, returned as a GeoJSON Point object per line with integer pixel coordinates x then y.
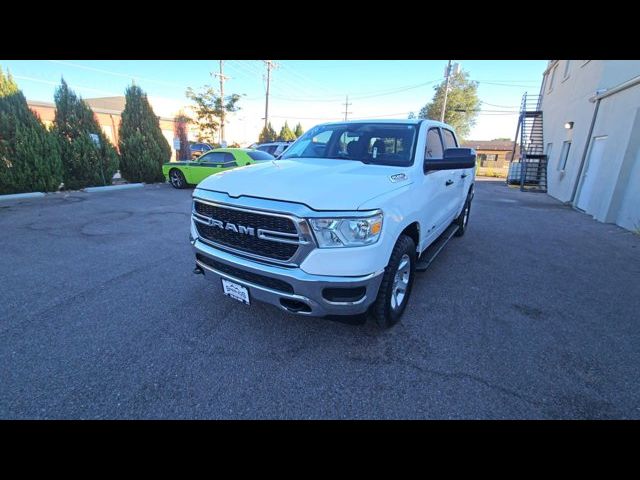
{"type": "Point", "coordinates": [530, 169]}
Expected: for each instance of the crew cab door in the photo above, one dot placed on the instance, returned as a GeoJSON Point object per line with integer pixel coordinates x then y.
{"type": "Point", "coordinates": [460, 177]}
{"type": "Point", "coordinates": [437, 193]}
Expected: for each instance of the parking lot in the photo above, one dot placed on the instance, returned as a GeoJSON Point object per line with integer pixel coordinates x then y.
{"type": "Point", "coordinates": [534, 313]}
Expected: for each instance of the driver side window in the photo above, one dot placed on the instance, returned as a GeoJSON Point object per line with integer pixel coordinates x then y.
{"type": "Point", "coordinates": [434, 150]}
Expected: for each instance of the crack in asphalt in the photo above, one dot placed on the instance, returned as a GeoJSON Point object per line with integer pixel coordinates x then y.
{"type": "Point", "coordinates": [75, 296]}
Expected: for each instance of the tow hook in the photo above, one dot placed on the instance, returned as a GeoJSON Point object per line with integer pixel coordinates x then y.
{"type": "Point", "coordinates": [198, 270]}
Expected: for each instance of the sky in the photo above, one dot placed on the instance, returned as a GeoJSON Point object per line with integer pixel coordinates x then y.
{"type": "Point", "coordinates": [305, 91]}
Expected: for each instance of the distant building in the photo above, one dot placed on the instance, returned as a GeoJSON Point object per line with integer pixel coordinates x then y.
{"type": "Point", "coordinates": [591, 131]}
{"type": "Point", "coordinates": [493, 156]}
{"type": "Point", "coordinates": [108, 111]}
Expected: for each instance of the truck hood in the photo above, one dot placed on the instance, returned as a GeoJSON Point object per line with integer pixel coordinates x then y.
{"type": "Point", "coordinates": [321, 184]}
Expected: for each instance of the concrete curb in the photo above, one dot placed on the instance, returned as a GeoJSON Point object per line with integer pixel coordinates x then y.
{"type": "Point", "coordinates": [18, 196]}
{"type": "Point", "coordinates": [109, 188]}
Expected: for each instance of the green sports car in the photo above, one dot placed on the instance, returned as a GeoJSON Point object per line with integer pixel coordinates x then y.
{"type": "Point", "coordinates": [182, 174]}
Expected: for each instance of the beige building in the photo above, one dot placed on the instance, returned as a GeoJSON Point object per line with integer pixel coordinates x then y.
{"type": "Point", "coordinates": [493, 156]}
{"type": "Point", "coordinates": [591, 126]}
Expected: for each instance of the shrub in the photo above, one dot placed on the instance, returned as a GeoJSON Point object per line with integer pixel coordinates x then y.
{"type": "Point", "coordinates": [85, 164]}
{"type": "Point", "coordinates": [29, 153]}
{"type": "Point", "coordinates": [143, 148]}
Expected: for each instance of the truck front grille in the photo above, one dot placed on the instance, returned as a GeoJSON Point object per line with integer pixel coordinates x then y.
{"type": "Point", "coordinates": [233, 237]}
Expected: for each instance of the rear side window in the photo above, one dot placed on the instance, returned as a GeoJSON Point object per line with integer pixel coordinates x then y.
{"type": "Point", "coordinates": [260, 155]}
{"type": "Point", "coordinates": [268, 148]}
{"type": "Point", "coordinates": [449, 139]}
{"type": "Point", "coordinates": [434, 144]}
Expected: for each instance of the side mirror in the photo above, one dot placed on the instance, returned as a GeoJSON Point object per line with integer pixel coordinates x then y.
{"type": "Point", "coordinates": [454, 159]}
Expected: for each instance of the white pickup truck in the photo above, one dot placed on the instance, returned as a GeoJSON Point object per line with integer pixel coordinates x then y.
{"type": "Point", "coordinates": [341, 223]}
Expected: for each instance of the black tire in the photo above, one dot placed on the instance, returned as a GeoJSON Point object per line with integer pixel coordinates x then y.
{"type": "Point", "coordinates": [386, 309]}
{"type": "Point", "coordinates": [463, 219]}
{"type": "Point", "coordinates": [176, 178]}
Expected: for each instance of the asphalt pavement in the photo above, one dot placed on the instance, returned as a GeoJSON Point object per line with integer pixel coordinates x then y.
{"type": "Point", "coordinates": [534, 313]}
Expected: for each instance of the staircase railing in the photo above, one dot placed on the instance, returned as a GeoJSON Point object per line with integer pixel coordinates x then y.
{"type": "Point", "coordinates": [530, 169]}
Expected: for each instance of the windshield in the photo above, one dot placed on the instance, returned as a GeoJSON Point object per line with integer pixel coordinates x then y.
{"type": "Point", "coordinates": [375, 143]}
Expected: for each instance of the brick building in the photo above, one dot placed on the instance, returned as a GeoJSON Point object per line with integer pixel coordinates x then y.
{"type": "Point", "coordinates": [493, 156]}
{"type": "Point", "coordinates": [108, 111]}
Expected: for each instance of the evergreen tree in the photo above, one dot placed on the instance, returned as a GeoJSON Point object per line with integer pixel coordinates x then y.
{"type": "Point", "coordinates": [462, 103]}
{"type": "Point", "coordinates": [85, 162]}
{"type": "Point", "coordinates": [298, 132]}
{"type": "Point", "coordinates": [29, 153]}
{"type": "Point", "coordinates": [143, 148]}
{"type": "Point", "coordinates": [286, 135]}
{"type": "Point", "coordinates": [268, 134]}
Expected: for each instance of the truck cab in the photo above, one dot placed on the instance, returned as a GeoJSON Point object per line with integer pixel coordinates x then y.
{"type": "Point", "coordinates": [340, 224]}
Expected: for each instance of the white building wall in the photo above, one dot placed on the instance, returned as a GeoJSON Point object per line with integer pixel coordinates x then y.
{"type": "Point", "coordinates": [615, 196]}
{"type": "Point", "coordinates": [568, 101]}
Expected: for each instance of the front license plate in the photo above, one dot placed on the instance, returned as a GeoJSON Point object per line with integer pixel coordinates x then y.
{"type": "Point", "coordinates": [235, 291]}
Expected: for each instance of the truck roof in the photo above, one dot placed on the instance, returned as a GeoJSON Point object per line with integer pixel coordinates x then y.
{"type": "Point", "coordinates": [402, 121]}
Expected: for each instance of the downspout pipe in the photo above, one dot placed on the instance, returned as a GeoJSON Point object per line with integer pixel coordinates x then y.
{"type": "Point", "coordinates": [584, 152]}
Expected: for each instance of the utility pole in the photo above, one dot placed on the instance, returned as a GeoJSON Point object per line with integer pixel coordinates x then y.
{"type": "Point", "coordinates": [346, 107]}
{"type": "Point", "coordinates": [270, 65]}
{"type": "Point", "coordinates": [222, 78]}
{"type": "Point", "coordinates": [446, 91]}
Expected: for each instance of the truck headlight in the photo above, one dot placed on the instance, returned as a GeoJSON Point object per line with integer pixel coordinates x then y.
{"type": "Point", "coordinates": [346, 232]}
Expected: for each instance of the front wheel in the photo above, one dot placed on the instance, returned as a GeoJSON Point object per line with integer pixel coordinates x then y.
{"type": "Point", "coordinates": [397, 281]}
{"type": "Point", "coordinates": [176, 177]}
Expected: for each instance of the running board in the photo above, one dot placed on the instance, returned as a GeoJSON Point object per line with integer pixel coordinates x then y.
{"type": "Point", "coordinates": [435, 248]}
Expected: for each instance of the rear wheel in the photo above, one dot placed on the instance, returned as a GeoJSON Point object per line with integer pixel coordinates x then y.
{"type": "Point", "coordinates": [396, 285]}
{"type": "Point", "coordinates": [176, 177]}
{"type": "Point", "coordinates": [463, 218]}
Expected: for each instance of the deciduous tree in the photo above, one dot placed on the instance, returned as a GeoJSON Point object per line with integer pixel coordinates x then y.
{"type": "Point", "coordinates": [209, 108]}
{"type": "Point", "coordinates": [181, 121]}
{"type": "Point", "coordinates": [462, 103]}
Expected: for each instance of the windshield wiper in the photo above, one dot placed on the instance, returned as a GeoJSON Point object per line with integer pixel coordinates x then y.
{"type": "Point", "coordinates": [349, 158]}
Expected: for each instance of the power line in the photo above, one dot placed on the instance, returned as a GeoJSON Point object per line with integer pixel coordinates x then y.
{"type": "Point", "coordinates": [76, 87]}
{"type": "Point", "coordinates": [504, 84]}
{"type": "Point", "coordinates": [357, 97]}
{"type": "Point", "coordinates": [500, 106]}
{"type": "Point", "coordinates": [117, 74]}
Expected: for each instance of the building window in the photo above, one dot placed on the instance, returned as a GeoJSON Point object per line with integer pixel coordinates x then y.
{"type": "Point", "coordinates": [548, 150]}
{"type": "Point", "coordinates": [564, 155]}
{"type": "Point", "coordinates": [566, 69]}
{"type": "Point", "coordinates": [552, 78]}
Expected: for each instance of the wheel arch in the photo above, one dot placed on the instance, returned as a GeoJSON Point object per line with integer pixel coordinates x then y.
{"type": "Point", "coordinates": [412, 231]}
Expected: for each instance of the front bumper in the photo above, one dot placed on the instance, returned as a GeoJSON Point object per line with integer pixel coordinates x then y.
{"type": "Point", "coordinates": [306, 294]}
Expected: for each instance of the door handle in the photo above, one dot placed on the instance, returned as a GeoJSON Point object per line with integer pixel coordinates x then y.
{"type": "Point", "coordinates": [464, 175]}
{"type": "Point", "coordinates": [449, 182]}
